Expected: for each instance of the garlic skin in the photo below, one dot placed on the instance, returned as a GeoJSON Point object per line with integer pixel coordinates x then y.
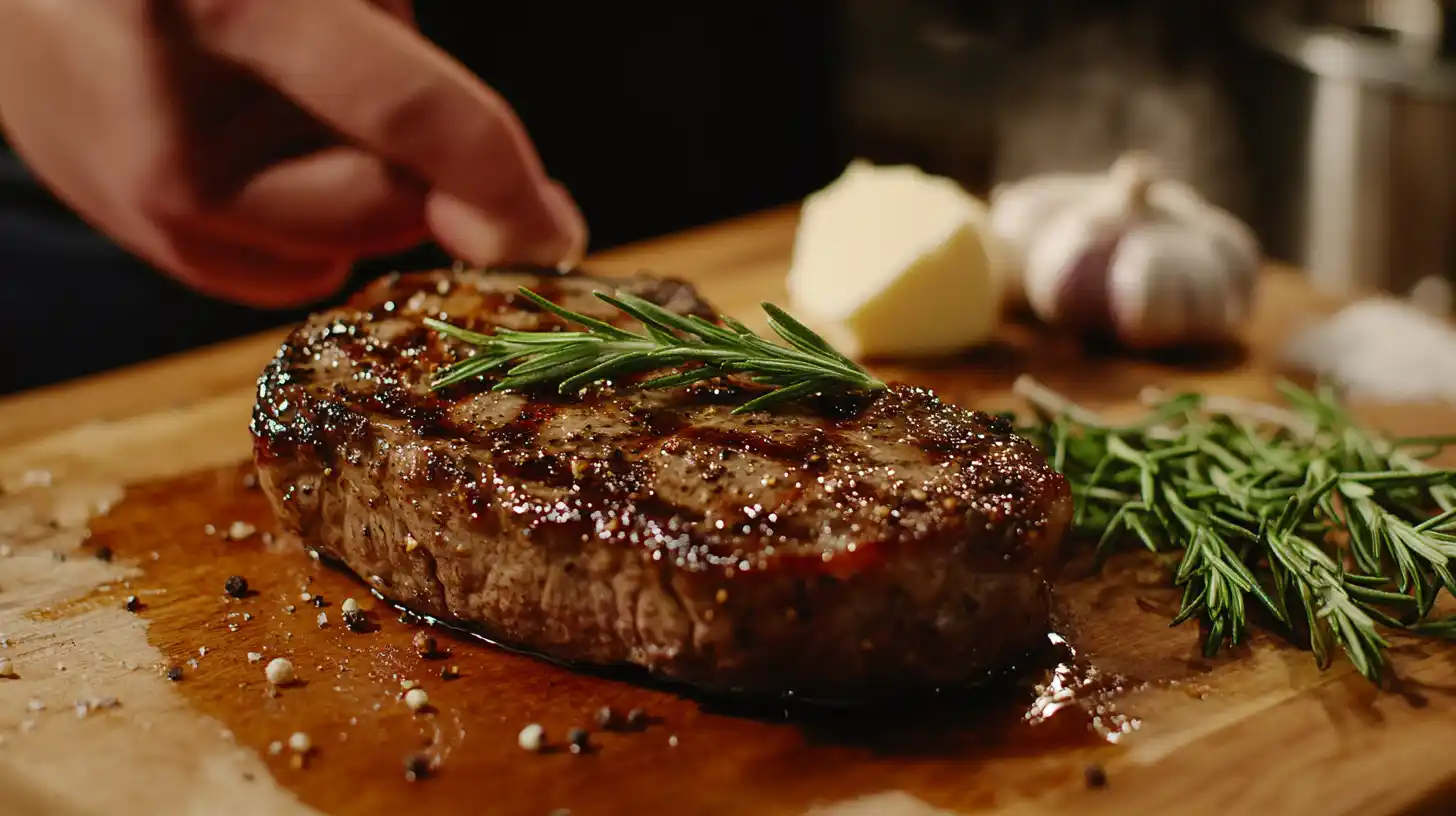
{"type": "Point", "coordinates": [1133, 257]}
{"type": "Point", "coordinates": [1020, 210]}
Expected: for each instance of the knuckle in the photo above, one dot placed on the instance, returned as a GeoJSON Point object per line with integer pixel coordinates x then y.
{"type": "Point", "coordinates": [438, 119]}
{"type": "Point", "coordinates": [407, 119]}
{"type": "Point", "coordinates": [213, 20]}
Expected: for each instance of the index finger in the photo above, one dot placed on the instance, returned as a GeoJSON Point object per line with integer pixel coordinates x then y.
{"type": "Point", "coordinates": [385, 87]}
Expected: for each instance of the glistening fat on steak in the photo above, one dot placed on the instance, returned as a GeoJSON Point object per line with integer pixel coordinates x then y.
{"type": "Point", "coordinates": [835, 548]}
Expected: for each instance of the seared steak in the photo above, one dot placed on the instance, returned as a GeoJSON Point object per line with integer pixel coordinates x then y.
{"type": "Point", "coordinates": [841, 547]}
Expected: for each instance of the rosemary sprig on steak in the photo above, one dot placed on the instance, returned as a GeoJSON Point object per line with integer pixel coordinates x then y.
{"type": "Point", "coordinates": [574, 360]}
{"type": "Point", "coordinates": [1336, 532]}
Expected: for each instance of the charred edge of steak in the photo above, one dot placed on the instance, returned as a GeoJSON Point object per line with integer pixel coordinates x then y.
{"type": "Point", "coordinates": [829, 547]}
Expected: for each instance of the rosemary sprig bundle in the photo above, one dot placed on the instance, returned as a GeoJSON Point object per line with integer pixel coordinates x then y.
{"type": "Point", "coordinates": [573, 360]}
{"type": "Point", "coordinates": [1336, 532]}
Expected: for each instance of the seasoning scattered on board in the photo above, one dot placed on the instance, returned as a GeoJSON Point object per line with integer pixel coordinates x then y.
{"type": "Point", "coordinates": [279, 671]}
{"type": "Point", "coordinates": [532, 737]}
{"type": "Point", "coordinates": [579, 739]}
{"type": "Point", "coordinates": [354, 620]}
{"type": "Point", "coordinates": [416, 767]}
{"type": "Point", "coordinates": [236, 586]}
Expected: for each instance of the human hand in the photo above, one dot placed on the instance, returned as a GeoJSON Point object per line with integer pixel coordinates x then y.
{"type": "Point", "coordinates": [255, 149]}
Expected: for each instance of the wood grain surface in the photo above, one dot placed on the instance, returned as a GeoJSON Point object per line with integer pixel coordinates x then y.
{"type": "Point", "coordinates": [136, 464]}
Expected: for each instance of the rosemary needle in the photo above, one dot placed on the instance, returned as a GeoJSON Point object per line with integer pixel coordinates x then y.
{"type": "Point", "coordinates": [573, 360]}
{"type": "Point", "coordinates": [1338, 534]}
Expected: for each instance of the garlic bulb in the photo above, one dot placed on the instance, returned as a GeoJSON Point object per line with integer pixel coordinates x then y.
{"type": "Point", "coordinates": [1128, 255]}
{"type": "Point", "coordinates": [1019, 210]}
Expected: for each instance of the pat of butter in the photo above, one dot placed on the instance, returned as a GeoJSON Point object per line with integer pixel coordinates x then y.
{"type": "Point", "coordinates": [892, 261]}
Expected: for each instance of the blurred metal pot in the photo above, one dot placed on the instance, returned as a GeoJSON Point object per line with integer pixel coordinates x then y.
{"type": "Point", "coordinates": [1350, 122]}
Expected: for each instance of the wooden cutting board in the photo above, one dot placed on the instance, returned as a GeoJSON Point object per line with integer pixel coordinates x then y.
{"type": "Point", "coordinates": [145, 465]}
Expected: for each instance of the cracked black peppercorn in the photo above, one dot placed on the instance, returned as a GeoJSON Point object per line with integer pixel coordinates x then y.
{"type": "Point", "coordinates": [174, 674]}
{"type": "Point", "coordinates": [103, 553]}
{"type": "Point", "coordinates": [636, 718]}
{"type": "Point", "coordinates": [424, 644]}
{"type": "Point", "coordinates": [1096, 776]}
{"type": "Point", "coordinates": [355, 621]}
{"type": "Point", "coordinates": [449, 672]}
{"type": "Point", "coordinates": [319, 602]}
{"type": "Point", "coordinates": [236, 586]}
{"type": "Point", "coordinates": [579, 739]}
{"type": "Point", "coordinates": [133, 603]}
{"type": "Point", "coordinates": [416, 767]}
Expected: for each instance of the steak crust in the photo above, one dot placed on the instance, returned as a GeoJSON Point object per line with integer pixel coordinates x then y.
{"type": "Point", "coordinates": [844, 547]}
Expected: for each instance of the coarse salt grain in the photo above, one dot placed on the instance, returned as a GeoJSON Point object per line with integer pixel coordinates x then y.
{"type": "Point", "coordinates": [349, 606]}
{"type": "Point", "coordinates": [323, 619]}
{"type": "Point", "coordinates": [275, 747]}
{"type": "Point", "coordinates": [241, 530]}
{"type": "Point", "coordinates": [84, 707]}
{"type": "Point", "coordinates": [416, 699]}
{"type": "Point", "coordinates": [299, 742]}
{"type": "Point", "coordinates": [532, 737]}
{"type": "Point", "coordinates": [279, 671]}
{"type": "Point", "coordinates": [254, 657]}
{"type": "Point", "coordinates": [7, 668]}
